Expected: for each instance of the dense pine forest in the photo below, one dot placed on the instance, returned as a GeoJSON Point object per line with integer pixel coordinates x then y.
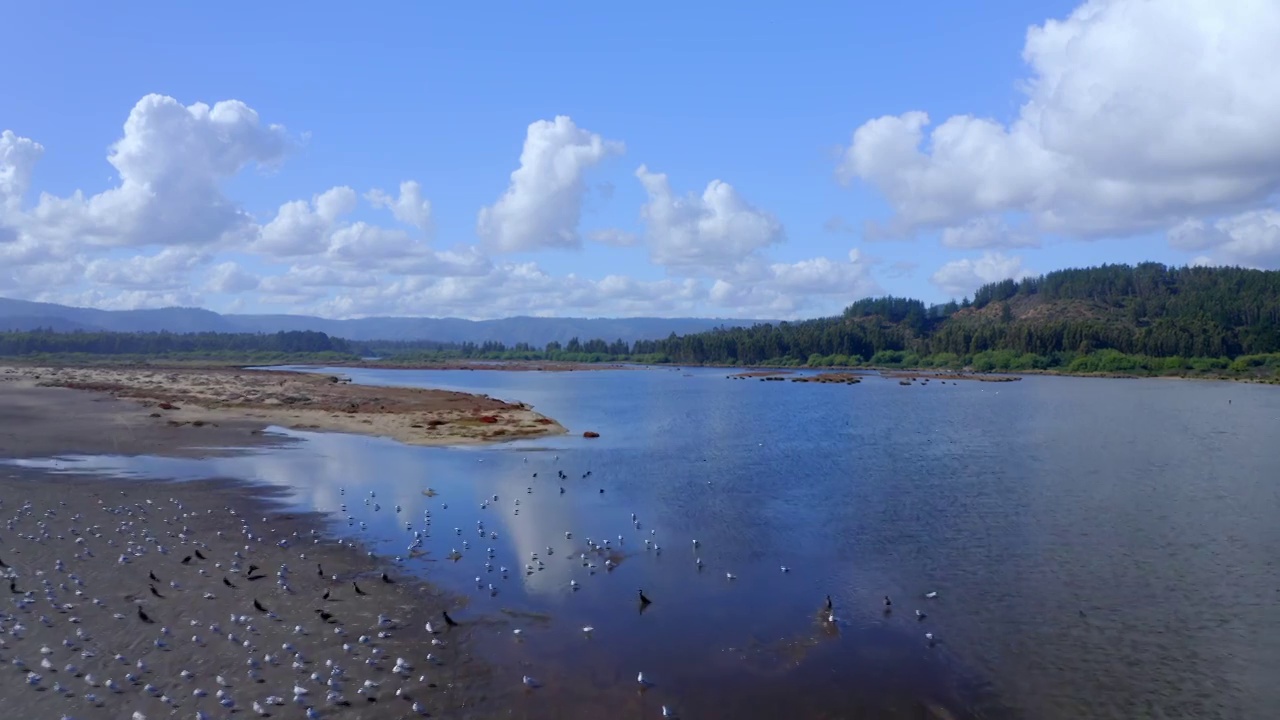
{"type": "Point", "coordinates": [1148, 319]}
{"type": "Point", "coordinates": [1114, 318]}
{"type": "Point", "coordinates": [230, 346]}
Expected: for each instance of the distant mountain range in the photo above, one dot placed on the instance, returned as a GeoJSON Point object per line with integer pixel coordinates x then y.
{"type": "Point", "coordinates": [537, 331]}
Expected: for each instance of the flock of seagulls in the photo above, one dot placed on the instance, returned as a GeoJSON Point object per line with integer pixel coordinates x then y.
{"type": "Point", "coordinates": [592, 555]}
{"type": "Point", "coordinates": [173, 582]}
{"type": "Point", "coordinates": [149, 608]}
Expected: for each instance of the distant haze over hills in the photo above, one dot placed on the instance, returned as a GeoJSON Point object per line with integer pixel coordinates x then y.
{"type": "Point", "coordinates": [25, 315]}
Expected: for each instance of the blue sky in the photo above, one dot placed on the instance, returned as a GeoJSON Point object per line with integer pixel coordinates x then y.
{"type": "Point", "coordinates": [1081, 142]}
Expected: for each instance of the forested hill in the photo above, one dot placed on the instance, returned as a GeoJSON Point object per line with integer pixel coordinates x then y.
{"type": "Point", "coordinates": [1148, 310]}
{"type": "Point", "coordinates": [1114, 318]}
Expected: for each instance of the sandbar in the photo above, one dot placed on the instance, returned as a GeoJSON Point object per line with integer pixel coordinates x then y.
{"type": "Point", "coordinates": [200, 397]}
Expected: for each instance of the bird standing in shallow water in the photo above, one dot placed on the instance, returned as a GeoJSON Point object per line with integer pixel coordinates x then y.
{"type": "Point", "coordinates": [644, 600]}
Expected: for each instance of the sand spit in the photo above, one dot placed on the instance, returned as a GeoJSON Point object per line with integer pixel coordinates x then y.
{"type": "Point", "coordinates": [199, 397]}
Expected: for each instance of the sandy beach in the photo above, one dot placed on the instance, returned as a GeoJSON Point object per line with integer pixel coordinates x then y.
{"type": "Point", "coordinates": [211, 585]}
{"type": "Point", "coordinates": [193, 399]}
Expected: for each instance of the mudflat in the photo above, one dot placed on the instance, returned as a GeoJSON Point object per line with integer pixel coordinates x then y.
{"type": "Point", "coordinates": [145, 599]}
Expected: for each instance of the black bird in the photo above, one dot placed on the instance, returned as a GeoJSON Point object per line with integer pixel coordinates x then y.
{"type": "Point", "coordinates": [324, 615]}
{"type": "Point", "coordinates": [143, 616]}
{"type": "Point", "coordinates": [325, 596]}
{"type": "Point", "coordinates": [828, 603]}
{"type": "Point", "coordinates": [200, 555]}
{"type": "Point", "coordinates": [227, 582]}
{"type": "Point", "coordinates": [643, 600]}
{"type": "Point", "coordinates": [448, 620]}
{"type": "Point", "coordinates": [258, 606]}
{"type": "Point", "coordinates": [186, 560]}
{"type": "Point", "coordinates": [357, 587]}
{"type": "Point", "coordinates": [152, 576]}
{"type": "Point", "coordinates": [156, 592]}
{"type": "Point", "coordinates": [888, 604]}
{"type": "Point", "coordinates": [13, 587]}
{"type": "Point", "coordinates": [386, 578]}
{"type": "Point", "coordinates": [561, 491]}
{"type": "Point", "coordinates": [252, 567]}
{"type": "Point", "coordinates": [319, 570]}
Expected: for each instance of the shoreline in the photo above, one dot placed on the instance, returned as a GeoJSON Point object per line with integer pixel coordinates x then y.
{"type": "Point", "coordinates": [185, 365]}
{"type": "Point", "coordinates": [192, 398]}
{"type": "Point", "coordinates": [502, 365]}
{"type": "Point", "coordinates": [830, 377]}
{"type": "Point", "coordinates": [104, 551]}
{"type": "Point", "coordinates": [558, 366]}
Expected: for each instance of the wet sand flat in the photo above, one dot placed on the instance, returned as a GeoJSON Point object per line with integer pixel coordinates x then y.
{"type": "Point", "coordinates": [211, 585]}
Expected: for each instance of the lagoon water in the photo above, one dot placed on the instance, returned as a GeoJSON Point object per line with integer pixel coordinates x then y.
{"type": "Point", "coordinates": [1100, 548]}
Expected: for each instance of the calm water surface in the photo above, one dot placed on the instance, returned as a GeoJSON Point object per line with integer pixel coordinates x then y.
{"type": "Point", "coordinates": [1100, 548]}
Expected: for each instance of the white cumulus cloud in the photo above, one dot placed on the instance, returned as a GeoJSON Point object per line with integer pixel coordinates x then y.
{"type": "Point", "coordinates": [167, 269]}
{"type": "Point", "coordinates": [713, 230]}
{"type": "Point", "coordinates": [1249, 239]}
{"type": "Point", "coordinates": [409, 208]}
{"type": "Point", "coordinates": [959, 278]}
{"type": "Point", "coordinates": [229, 278]}
{"type": "Point", "coordinates": [542, 207]}
{"type": "Point", "coordinates": [987, 232]}
{"type": "Point", "coordinates": [304, 228]}
{"type": "Point", "coordinates": [1137, 114]}
{"type": "Point", "coordinates": [170, 162]}
{"type": "Point", "coordinates": [789, 289]}
{"type": "Point", "coordinates": [18, 157]}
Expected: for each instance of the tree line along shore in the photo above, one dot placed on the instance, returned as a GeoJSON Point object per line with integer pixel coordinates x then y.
{"type": "Point", "coordinates": [1144, 320]}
